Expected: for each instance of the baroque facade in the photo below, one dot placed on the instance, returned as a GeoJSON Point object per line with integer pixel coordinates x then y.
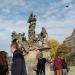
{"type": "Point", "coordinates": [70, 41]}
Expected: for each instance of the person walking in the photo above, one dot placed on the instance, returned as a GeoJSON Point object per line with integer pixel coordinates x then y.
{"type": "Point", "coordinates": [18, 65]}
{"type": "Point", "coordinates": [3, 63]}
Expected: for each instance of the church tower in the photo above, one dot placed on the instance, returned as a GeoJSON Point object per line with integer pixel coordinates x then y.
{"type": "Point", "coordinates": [32, 25]}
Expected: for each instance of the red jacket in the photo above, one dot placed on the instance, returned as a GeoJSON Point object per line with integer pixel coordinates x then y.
{"type": "Point", "coordinates": [58, 63]}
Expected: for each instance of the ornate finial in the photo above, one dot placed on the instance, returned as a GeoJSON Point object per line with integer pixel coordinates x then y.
{"type": "Point", "coordinates": [31, 18]}
{"type": "Point", "coordinates": [43, 32]}
{"type": "Point", "coordinates": [31, 15]}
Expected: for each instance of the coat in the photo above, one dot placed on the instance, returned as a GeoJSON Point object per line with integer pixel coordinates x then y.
{"type": "Point", "coordinates": [58, 63]}
{"type": "Point", "coordinates": [18, 65]}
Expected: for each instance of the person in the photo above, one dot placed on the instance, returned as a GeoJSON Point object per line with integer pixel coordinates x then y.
{"type": "Point", "coordinates": [18, 65]}
{"type": "Point", "coordinates": [3, 63]}
{"type": "Point", "coordinates": [40, 67]}
{"type": "Point", "coordinates": [52, 66]}
{"type": "Point", "coordinates": [58, 65]}
{"type": "Point", "coordinates": [64, 67]}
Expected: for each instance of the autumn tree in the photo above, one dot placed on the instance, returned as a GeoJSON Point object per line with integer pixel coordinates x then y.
{"type": "Point", "coordinates": [62, 49]}
{"type": "Point", "coordinates": [54, 45]}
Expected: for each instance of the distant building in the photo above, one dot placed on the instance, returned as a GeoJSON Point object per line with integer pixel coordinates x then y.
{"type": "Point", "coordinates": [70, 41]}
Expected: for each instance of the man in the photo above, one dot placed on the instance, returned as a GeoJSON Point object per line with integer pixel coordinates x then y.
{"type": "Point", "coordinates": [18, 65]}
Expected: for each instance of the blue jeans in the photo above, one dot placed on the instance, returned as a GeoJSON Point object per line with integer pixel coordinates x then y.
{"type": "Point", "coordinates": [64, 71]}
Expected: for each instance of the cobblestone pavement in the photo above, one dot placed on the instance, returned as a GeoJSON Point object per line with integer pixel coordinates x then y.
{"type": "Point", "coordinates": [48, 72]}
{"type": "Point", "coordinates": [71, 72]}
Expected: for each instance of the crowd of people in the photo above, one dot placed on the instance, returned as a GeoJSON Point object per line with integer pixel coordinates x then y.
{"type": "Point", "coordinates": [58, 64]}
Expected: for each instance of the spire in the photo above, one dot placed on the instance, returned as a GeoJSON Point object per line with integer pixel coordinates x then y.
{"type": "Point", "coordinates": [31, 15]}
{"type": "Point", "coordinates": [43, 32]}
{"type": "Point", "coordinates": [31, 18]}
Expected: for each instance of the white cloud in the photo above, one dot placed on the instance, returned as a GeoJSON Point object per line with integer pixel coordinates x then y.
{"type": "Point", "coordinates": [7, 27]}
{"type": "Point", "coordinates": [55, 17]}
{"type": "Point", "coordinates": [67, 1]}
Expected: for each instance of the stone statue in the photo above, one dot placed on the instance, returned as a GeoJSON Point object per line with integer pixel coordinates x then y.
{"type": "Point", "coordinates": [20, 39]}
{"type": "Point", "coordinates": [34, 40]}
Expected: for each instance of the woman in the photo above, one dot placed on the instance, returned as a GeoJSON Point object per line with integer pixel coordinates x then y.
{"type": "Point", "coordinates": [40, 66]}
{"type": "Point", "coordinates": [64, 67]}
{"type": "Point", "coordinates": [58, 65]}
{"type": "Point", "coordinates": [3, 63]}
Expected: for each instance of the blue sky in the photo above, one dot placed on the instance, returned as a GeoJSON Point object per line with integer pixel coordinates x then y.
{"type": "Point", "coordinates": [58, 19]}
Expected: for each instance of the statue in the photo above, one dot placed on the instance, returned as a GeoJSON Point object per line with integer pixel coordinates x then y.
{"type": "Point", "coordinates": [35, 41]}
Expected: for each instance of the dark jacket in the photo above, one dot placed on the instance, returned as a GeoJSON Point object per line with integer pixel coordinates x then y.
{"type": "Point", "coordinates": [41, 66]}
{"type": "Point", "coordinates": [64, 64]}
{"type": "Point", "coordinates": [18, 65]}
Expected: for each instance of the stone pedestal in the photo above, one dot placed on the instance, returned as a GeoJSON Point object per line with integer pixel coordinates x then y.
{"type": "Point", "coordinates": [31, 62]}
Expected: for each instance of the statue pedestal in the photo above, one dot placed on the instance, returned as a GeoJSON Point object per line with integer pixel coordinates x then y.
{"type": "Point", "coordinates": [31, 62]}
